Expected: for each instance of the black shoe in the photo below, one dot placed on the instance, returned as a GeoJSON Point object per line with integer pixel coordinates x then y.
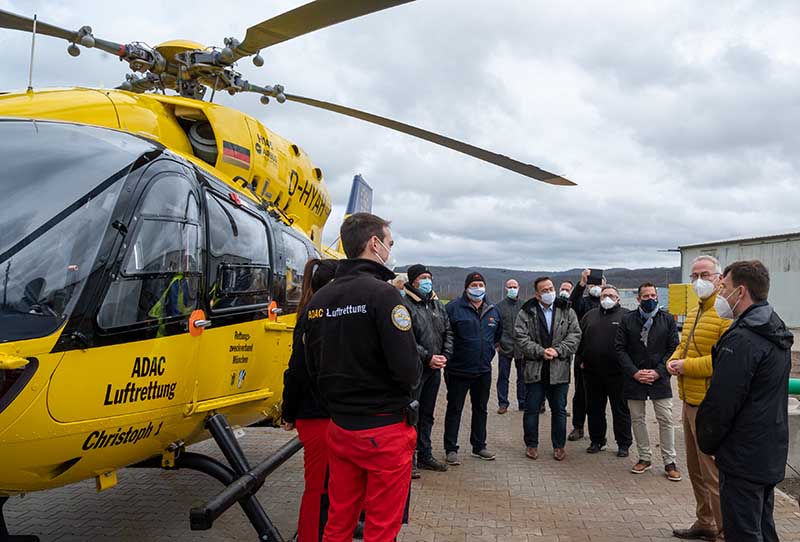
{"type": "Point", "coordinates": [431, 463]}
{"type": "Point", "coordinates": [358, 534]}
{"type": "Point", "coordinates": [575, 434]}
{"type": "Point", "coordinates": [595, 448]}
{"type": "Point", "coordinates": [622, 452]}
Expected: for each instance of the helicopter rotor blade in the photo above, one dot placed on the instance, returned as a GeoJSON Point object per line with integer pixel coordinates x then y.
{"type": "Point", "coordinates": [503, 161]}
{"type": "Point", "coordinates": [307, 18]}
{"type": "Point", "coordinates": [13, 21]}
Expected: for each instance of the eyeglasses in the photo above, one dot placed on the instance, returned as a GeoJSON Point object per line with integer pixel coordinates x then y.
{"type": "Point", "coordinates": [705, 275]}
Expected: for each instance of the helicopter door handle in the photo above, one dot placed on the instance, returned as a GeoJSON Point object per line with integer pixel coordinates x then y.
{"type": "Point", "coordinates": [202, 323]}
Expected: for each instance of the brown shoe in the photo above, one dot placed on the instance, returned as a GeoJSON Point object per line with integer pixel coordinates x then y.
{"type": "Point", "coordinates": [695, 533]}
{"type": "Point", "coordinates": [672, 473]}
{"type": "Point", "coordinates": [559, 454]}
{"type": "Point", "coordinates": [502, 410]}
{"type": "Point", "coordinates": [532, 453]}
{"type": "Point", "coordinates": [641, 467]}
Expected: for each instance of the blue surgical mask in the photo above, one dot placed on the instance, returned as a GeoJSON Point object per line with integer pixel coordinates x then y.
{"type": "Point", "coordinates": [512, 293]}
{"type": "Point", "coordinates": [476, 293]}
{"type": "Point", "coordinates": [648, 305]}
{"type": "Point", "coordinates": [425, 286]}
{"type": "Point", "coordinates": [402, 293]}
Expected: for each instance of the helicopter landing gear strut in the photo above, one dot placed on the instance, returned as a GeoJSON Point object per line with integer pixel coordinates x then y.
{"type": "Point", "coordinates": [4, 536]}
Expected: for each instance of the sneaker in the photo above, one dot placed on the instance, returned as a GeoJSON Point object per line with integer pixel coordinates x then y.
{"type": "Point", "coordinates": [452, 458]}
{"type": "Point", "coordinates": [431, 463]}
{"type": "Point", "coordinates": [484, 454]}
{"type": "Point", "coordinates": [623, 452]}
{"type": "Point", "coordinates": [532, 453]}
{"type": "Point", "coordinates": [695, 533]}
{"type": "Point", "coordinates": [502, 410]}
{"type": "Point", "coordinates": [575, 434]}
{"type": "Point", "coordinates": [559, 454]}
{"type": "Point", "coordinates": [595, 448]}
{"type": "Point", "coordinates": [672, 473]}
{"type": "Point", "coordinates": [640, 467]}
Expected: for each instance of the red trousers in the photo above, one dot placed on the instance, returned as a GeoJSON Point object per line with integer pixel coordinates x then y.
{"type": "Point", "coordinates": [370, 469]}
{"type": "Point", "coordinates": [313, 507]}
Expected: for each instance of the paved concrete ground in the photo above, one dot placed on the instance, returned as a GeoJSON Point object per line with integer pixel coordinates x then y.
{"type": "Point", "coordinates": [584, 498]}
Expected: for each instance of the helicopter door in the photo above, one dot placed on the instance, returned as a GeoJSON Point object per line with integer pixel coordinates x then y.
{"type": "Point", "coordinates": [143, 355]}
{"type": "Point", "coordinates": [238, 299]}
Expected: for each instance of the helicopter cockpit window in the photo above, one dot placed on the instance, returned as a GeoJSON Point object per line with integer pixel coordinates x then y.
{"type": "Point", "coordinates": [296, 258]}
{"type": "Point", "coordinates": [61, 183]}
{"type": "Point", "coordinates": [160, 276]}
{"type": "Point", "coordinates": [238, 257]}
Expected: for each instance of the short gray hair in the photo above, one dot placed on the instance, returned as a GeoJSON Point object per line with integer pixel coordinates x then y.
{"type": "Point", "coordinates": [709, 258]}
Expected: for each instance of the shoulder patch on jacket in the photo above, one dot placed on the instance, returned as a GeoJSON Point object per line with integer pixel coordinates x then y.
{"type": "Point", "coordinates": [401, 318]}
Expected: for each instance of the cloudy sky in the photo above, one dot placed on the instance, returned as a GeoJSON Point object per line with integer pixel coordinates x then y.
{"type": "Point", "coordinates": [678, 120]}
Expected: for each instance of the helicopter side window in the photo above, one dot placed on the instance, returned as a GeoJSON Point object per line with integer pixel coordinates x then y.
{"type": "Point", "coordinates": [296, 258]}
{"type": "Point", "coordinates": [238, 258]}
{"type": "Point", "coordinates": [160, 275]}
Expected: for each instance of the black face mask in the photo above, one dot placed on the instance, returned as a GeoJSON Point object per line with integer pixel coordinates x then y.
{"type": "Point", "coordinates": [649, 305]}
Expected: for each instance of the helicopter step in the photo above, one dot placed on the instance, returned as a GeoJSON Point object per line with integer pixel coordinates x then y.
{"type": "Point", "coordinates": [240, 480]}
{"type": "Point", "coordinates": [4, 535]}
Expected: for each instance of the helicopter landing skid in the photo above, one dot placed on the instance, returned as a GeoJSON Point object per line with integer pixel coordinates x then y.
{"type": "Point", "coordinates": [4, 536]}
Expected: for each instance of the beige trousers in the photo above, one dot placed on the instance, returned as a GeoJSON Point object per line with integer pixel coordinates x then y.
{"type": "Point", "coordinates": [666, 431]}
{"type": "Point", "coordinates": [703, 474]}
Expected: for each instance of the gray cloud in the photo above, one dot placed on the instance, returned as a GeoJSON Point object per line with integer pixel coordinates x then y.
{"type": "Point", "coordinates": [678, 120]}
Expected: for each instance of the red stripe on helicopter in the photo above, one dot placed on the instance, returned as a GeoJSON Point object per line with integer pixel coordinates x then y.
{"type": "Point", "coordinates": [235, 154]}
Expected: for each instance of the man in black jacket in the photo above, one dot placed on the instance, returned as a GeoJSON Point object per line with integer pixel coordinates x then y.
{"type": "Point", "coordinates": [743, 420]}
{"type": "Point", "coordinates": [646, 339]}
{"type": "Point", "coordinates": [434, 346]}
{"type": "Point", "coordinates": [361, 352]}
{"type": "Point", "coordinates": [506, 353]}
{"type": "Point", "coordinates": [602, 374]}
{"type": "Point", "coordinates": [581, 305]}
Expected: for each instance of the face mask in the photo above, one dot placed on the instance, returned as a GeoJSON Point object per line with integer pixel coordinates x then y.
{"type": "Point", "coordinates": [425, 286]}
{"type": "Point", "coordinates": [389, 263]}
{"type": "Point", "coordinates": [595, 290]}
{"type": "Point", "coordinates": [512, 293]}
{"type": "Point", "coordinates": [723, 306]}
{"type": "Point", "coordinates": [564, 294]}
{"type": "Point", "coordinates": [648, 305]}
{"type": "Point", "coordinates": [402, 293]}
{"type": "Point", "coordinates": [607, 303]}
{"type": "Point", "coordinates": [548, 298]}
{"type": "Point", "coordinates": [703, 288]}
{"type": "Point", "coordinates": [476, 293]}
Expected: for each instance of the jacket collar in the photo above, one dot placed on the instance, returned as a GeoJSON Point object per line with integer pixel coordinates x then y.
{"type": "Point", "coordinates": [464, 300]}
{"type": "Point", "coordinates": [708, 304]}
{"type": "Point", "coordinates": [362, 266]}
{"type": "Point", "coordinates": [417, 296]}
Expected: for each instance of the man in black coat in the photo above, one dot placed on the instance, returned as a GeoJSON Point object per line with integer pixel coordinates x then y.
{"type": "Point", "coordinates": [581, 305]}
{"type": "Point", "coordinates": [743, 420]}
{"type": "Point", "coordinates": [434, 339]}
{"type": "Point", "coordinates": [602, 375]}
{"type": "Point", "coordinates": [646, 339]}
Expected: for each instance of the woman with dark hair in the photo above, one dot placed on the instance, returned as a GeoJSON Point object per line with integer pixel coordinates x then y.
{"type": "Point", "coordinates": [303, 411]}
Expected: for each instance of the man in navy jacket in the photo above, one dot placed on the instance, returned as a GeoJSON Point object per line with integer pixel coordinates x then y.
{"type": "Point", "coordinates": [477, 329]}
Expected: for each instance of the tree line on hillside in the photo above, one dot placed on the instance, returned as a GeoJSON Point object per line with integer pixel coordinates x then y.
{"type": "Point", "coordinates": [449, 281]}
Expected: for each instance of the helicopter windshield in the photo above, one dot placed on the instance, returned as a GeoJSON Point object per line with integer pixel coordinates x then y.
{"type": "Point", "coordinates": [60, 183]}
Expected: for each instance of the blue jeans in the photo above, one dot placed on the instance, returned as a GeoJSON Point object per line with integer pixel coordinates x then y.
{"type": "Point", "coordinates": [556, 395]}
{"type": "Point", "coordinates": [503, 375]}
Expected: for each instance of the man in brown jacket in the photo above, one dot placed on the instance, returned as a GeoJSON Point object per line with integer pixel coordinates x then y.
{"type": "Point", "coordinates": [691, 363]}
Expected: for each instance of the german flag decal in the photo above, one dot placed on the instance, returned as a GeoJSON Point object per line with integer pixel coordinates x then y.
{"type": "Point", "coordinates": [236, 155]}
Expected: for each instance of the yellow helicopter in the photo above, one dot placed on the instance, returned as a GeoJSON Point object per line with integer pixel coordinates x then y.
{"type": "Point", "coordinates": [148, 301]}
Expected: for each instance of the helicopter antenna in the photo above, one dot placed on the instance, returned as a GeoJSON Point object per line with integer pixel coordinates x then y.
{"type": "Point", "coordinates": [33, 46]}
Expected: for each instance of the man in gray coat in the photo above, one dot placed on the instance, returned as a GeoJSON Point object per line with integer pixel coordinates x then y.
{"type": "Point", "coordinates": [506, 353]}
{"type": "Point", "coordinates": [547, 334]}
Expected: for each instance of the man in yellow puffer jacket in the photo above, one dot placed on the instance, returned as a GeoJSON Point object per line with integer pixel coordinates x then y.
{"type": "Point", "coordinates": [691, 362]}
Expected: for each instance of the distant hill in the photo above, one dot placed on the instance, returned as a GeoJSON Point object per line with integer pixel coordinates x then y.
{"type": "Point", "coordinates": [449, 281]}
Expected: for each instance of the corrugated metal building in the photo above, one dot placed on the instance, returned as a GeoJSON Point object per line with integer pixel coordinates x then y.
{"type": "Point", "coordinates": [780, 253]}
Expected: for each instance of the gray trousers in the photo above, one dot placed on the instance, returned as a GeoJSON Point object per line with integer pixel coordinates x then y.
{"type": "Point", "coordinates": [666, 430]}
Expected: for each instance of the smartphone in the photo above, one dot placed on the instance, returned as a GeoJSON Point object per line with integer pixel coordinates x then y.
{"type": "Point", "coordinates": [595, 277]}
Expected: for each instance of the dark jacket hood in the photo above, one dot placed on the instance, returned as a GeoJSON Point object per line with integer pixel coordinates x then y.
{"type": "Point", "coordinates": [762, 319]}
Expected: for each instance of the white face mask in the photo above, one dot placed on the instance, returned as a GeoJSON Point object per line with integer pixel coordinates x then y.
{"type": "Point", "coordinates": [703, 288]}
{"type": "Point", "coordinates": [595, 290]}
{"type": "Point", "coordinates": [607, 303]}
{"type": "Point", "coordinates": [548, 298]}
{"type": "Point", "coordinates": [723, 306]}
{"type": "Point", "coordinates": [564, 294]}
{"type": "Point", "coordinates": [389, 263]}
